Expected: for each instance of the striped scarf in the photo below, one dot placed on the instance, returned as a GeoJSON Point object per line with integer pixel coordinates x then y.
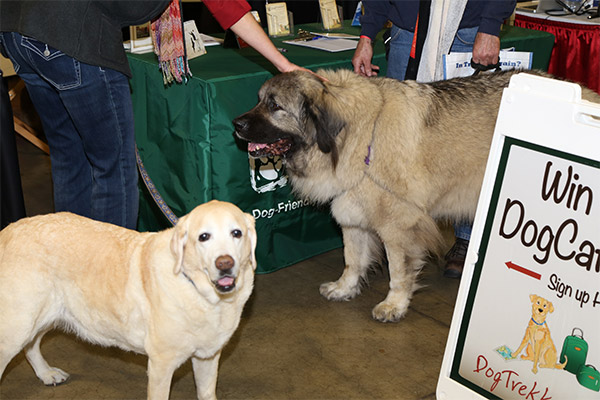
{"type": "Point", "coordinates": [169, 44]}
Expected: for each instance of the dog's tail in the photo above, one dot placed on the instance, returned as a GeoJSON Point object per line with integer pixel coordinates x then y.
{"type": "Point", "coordinates": [563, 365]}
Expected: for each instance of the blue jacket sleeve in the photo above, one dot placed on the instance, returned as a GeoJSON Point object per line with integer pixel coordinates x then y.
{"type": "Point", "coordinates": [375, 14]}
{"type": "Point", "coordinates": [488, 15]}
{"type": "Point", "coordinates": [493, 15]}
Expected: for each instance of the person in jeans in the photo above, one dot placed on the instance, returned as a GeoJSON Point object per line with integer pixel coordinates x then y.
{"type": "Point", "coordinates": [70, 55]}
{"type": "Point", "coordinates": [477, 30]}
{"type": "Point", "coordinates": [12, 203]}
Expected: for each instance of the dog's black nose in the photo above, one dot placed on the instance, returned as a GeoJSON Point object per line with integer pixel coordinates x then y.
{"type": "Point", "coordinates": [240, 124]}
{"type": "Point", "coordinates": [224, 263]}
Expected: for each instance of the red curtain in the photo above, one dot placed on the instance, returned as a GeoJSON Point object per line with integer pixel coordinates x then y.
{"type": "Point", "coordinates": [576, 52]}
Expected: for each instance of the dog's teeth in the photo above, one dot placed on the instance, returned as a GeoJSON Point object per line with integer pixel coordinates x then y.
{"type": "Point", "coordinates": [255, 146]}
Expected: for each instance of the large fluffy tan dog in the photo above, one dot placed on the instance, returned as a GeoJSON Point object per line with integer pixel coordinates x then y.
{"type": "Point", "coordinates": [392, 158]}
{"type": "Point", "coordinates": [171, 295]}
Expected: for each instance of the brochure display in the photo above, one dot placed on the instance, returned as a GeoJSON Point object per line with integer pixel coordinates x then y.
{"type": "Point", "coordinates": [329, 14]}
{"type": "Point", "coordinates": [527, 319]}
{"type": "Point", "coordinates": [139, 39]}
{"type": "Point", "coordinates": [357, 14]}
{"type": "Point", "coordinates": [278, 22]}
{"type": "Point", "coordinates": [194, 43]}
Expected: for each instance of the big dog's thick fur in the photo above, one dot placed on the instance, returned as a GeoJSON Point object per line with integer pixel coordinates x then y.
{"type": "Point", "coordinates": [392, 158]}
{"type": "Point", "coordinates": [171, 295]}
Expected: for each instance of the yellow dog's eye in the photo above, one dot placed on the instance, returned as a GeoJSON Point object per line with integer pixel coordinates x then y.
{"type": "Point", "coordinates": [204, 237]}
{"type": "Point", "coordinates": [236, 233]}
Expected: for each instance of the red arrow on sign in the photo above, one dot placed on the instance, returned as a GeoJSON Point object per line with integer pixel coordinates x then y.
{"type": "Point", "coordinates": [525, 271]}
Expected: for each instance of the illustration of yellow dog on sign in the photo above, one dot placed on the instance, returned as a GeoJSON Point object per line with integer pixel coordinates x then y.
{"type": "Point", "coordinates": [540, 347]}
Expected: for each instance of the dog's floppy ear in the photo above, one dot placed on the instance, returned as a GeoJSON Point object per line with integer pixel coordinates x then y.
{"type": "Point", "coordinates": [251, 225]}
{"type": "Point", "coordinates": [533, 297]}
{"type": "Point", "coordinates": [178, 242]}
{"type": "Point", "coordinates": [550, 307]}
{"type": "Point", "coordinates": [327, 124]}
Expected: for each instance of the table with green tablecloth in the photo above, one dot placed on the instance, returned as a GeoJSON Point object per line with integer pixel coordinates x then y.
{"type": "Point", "coordinates": [185, 139]}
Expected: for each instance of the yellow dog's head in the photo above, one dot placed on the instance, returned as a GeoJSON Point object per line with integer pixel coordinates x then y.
{"type": "Point", "coordinates": [540, 308]}
{"type": "Point", "coordinates": [215, 243]}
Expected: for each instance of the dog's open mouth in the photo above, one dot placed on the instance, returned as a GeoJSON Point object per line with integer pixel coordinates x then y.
{"type": "Point", "coordinates": [225, 283]}
{"type": "Point", "coordinates": [277, 148]}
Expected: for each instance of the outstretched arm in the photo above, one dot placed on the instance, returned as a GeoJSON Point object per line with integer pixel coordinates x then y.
{"type": "Point", "coordinates": [252, 33]}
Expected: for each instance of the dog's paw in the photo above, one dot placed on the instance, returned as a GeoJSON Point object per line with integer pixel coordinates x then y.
{"type": "Point", "coordinates": [54, 376]}
{"type": "Point", "coordinates": [389, 312]}
{"type": "Point", "coordinates": [337, 292]}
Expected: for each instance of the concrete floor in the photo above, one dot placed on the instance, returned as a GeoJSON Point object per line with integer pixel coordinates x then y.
{"type": "Point", "coordinates": [291, 343]}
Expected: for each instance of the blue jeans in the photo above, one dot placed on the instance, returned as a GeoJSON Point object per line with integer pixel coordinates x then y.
{"type": "Point", "coordinates": [87, 116]}
{"type": "Point", "coordinates": [462, 230]}
{"type": "Point", "coordinates": [401, 42]}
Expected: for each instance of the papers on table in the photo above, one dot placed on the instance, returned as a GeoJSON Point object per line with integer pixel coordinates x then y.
{"type": "Point", "coordinates": [337, 35]}
{"type": "Point", "coordinates": [332, 45]}
{"type": "Point", "coordinates": [210, 40]}
{"type": "Point", "coordinates": [139, 46]}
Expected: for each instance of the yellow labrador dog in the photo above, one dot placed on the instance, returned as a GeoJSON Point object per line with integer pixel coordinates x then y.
{"type": "Point", "coordinates": [171, 295]}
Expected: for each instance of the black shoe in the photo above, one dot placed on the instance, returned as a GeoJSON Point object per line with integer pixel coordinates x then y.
{"type": "Point", "coordinates": [455, 259]}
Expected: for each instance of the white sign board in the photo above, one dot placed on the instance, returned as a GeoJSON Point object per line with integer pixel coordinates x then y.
{"type": "Point", "coordinates": [527, 319]}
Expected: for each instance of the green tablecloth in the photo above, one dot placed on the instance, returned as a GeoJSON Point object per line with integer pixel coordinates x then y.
{"type": "Point", "coordinates": [185, 138]}
{"type": "Point", "coordinates": [529, 40]}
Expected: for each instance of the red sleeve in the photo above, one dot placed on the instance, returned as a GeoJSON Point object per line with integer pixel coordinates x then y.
{"type": "Point", "coordinates": [227, 12]}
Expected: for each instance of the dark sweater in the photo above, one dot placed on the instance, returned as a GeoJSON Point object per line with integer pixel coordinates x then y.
{"type": "Point", "coordinates": [89, 31]}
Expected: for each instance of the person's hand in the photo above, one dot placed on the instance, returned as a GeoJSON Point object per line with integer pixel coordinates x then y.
{"type": "Point", "coordinates": [289, 67]}
{"type": "Point", "coordinates": [252, 33]}
{"type": "Point", "coordinates": [362, 58]}
{"type": "Point", "coordinates": [486, 49]}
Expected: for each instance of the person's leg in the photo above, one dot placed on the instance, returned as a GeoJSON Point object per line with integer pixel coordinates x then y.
{"type": "Point", "coordinates": [464, 40]}
{"type": "Point", "coordinates": [455, 258]}
{"type": "Point", "coordinates": [400, 44]}
{"type": "Point", "coordinates": [12, 204]}
{"type": "Point", "coordinates": [70, 169]}
{"type": "Point", "coordinates": [88, 119]}
{"type": "Point", "coordinates": [462, 230]}
{"type": "Point", "coordinates": [104, 121]}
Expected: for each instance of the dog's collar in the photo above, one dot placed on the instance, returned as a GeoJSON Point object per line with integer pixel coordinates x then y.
{"type": "Point", "coordinates": [369, 157]}
{"type": "Point", "coordinates": [188, 278]}
{"type": "Point", "coordinates": [535, 322]}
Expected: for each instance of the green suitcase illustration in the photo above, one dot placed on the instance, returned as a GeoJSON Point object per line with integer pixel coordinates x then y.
{"type": "Point", "coordinates": [589, 377]}
{"type": "Point", "coordinates": [575, 350]}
